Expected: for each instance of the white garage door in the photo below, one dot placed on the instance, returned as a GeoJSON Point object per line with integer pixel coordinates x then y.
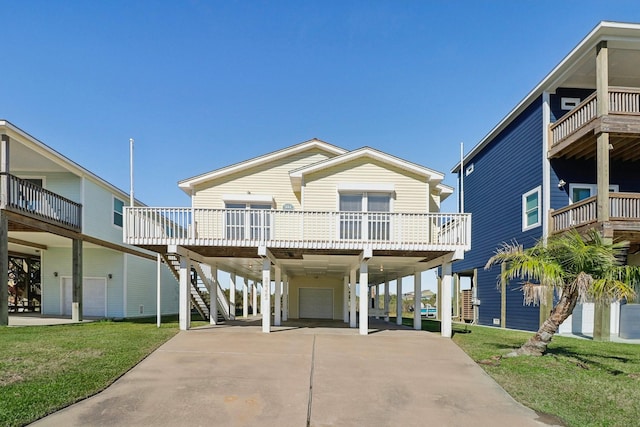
{"type": "Point", "coordinates": [316, 303]}
{"type": "Point", "coordinates": [94, 296]}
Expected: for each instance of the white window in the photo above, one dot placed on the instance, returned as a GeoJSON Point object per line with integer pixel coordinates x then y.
{"type": "Point", "coordinates": [531, 209]}
{"type": "Point", "coordinates": [364, 216]}
{"type": "Point", "coordinates": [118, 208]}
{"type": "Point", "coordinates": [248, 220]}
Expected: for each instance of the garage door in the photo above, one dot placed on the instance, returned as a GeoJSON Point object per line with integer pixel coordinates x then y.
{"type": "Point", "coordinates": [94, 296]}
{"type": "Point", "coordinates": [316, 303]}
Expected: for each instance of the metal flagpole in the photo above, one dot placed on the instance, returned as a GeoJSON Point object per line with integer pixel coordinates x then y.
{"type": "Point", "coordinates": [131, 172]}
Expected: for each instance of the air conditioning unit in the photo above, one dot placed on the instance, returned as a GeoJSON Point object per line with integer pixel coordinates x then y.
{"type": "Point", "coordinates": [475, 301]}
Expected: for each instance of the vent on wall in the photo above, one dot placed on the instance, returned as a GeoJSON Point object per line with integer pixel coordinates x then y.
{"type": "Point", "coordinates": [469, 170]}
{"type": "Point", "coordinates": [141, 309]}
{"type": "Point", "coordinates": [569, 103]}
{"type": "Point", "coordinates": [496, 321]}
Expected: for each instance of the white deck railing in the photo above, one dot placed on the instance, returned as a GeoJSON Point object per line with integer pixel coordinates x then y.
{"type": "Point", "coordinates": [296, 229]}
{"type": "Point", "coordinates": [622, 207]}
{"type": "Point", "coordinates": [622, 101]}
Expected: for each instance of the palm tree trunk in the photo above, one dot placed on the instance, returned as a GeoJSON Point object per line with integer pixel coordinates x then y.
{"type": "Point", "coordinates": [537, 344]}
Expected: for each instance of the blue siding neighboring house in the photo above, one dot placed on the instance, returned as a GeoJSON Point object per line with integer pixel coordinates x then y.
{"type": "Point", "coordinates": [537, 171]}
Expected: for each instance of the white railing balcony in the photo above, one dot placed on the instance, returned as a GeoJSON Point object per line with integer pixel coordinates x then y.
{"type": "Point", "coordinates": [296, 229]}
{"type": "Point", "coordinates": [622, 207]}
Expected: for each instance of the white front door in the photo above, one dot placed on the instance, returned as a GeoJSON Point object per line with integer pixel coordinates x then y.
{"type": "Point", "coordinates": [316, 303]}
{"type": "Point", "coordinates": [94, 296]}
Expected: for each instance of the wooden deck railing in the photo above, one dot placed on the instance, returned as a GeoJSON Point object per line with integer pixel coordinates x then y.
{"type": "Point", "coordinates": [622, 101]}
{"type": "Point", "coordinates": [32, 200]}
{"type": "Point", "coordinates": [296, 229]}
{"type": "Point", "coordinates": [622, 207]}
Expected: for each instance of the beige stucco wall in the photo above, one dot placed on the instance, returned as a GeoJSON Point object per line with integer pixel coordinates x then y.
{"type": "Point", "coordinates": [270, 179]}
{"type": "Point", "coordinates": [411, 191]}
{"type": "Point", "coordinates": [297, 282]}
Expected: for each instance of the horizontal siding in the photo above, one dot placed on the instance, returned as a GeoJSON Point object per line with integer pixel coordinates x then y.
{"type": "Point", "coordinates": [321, 188]}
{"type": "Point", "coordinates": [64, 184]}
{"type": "Point", "coordinates": [98, 213]}
{"type": "Point", "coordinates": [503, 171]}
{"type": "Point", "coordinates": [270, 179]}
{"type": "Point", "coordinates": [141, 288]}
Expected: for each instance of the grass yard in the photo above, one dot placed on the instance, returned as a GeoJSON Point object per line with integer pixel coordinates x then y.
{"type": "Point", "coordinates": [582, 382]}
{"type": "Point", "coordinates": [45, 368]}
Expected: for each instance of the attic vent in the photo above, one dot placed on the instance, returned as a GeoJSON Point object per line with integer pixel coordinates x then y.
{"type": "Point", "coordinates": [469, 170]}
{"type": "Point", "coordinates": [569, 103]}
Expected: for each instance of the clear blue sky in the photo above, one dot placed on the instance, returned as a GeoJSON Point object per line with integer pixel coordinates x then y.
{"type": "Point", "coordinates": [204, 84]}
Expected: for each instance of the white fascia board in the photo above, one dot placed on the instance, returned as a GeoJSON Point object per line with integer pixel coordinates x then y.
{"type": "Point", "coordinates": [432, 175]}
{"type": "Point", "coordinates": [43, 149]}
{"type": "Point", "coordinates": [603, 31]}
{"type": "Point", "coordinates": [187, 184]}
{"type": "Point", "coordinates": [444, 191]}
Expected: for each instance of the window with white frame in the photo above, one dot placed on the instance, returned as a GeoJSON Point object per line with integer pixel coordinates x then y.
{"type": "Point", "coordinates": [118, 209]}
{"type": "Point", "coordinates": [531, 209]}
{"type": "Point", "coordinates": [364, 215]}
{"type": "Point", "coordinates": [579, 191]}
{"type": "Point", "coordinates": [248, 220]}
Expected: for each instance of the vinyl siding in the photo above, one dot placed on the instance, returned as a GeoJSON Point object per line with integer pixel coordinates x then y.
{"type": "Point", "coordinates": [270, 179]}
{"type": "Point", "coordinates": [96, 263]}
{"type": "Point", "coordinates": [297, 282]}
{"type": "Point", "coordinates": [321, 188]}
{"type": "Point", "coordinates": [98, 213]}
{"type": "Point", "coordinates": [504, 170]}
{"type": "Point", "coordinates": [141, 288]}
{"type": "Point", "coordinates": [65, 184]}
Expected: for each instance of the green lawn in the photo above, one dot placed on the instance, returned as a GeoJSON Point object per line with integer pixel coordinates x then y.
{"type": "Point", "coordinates": [582, 382]}
{"type": "Point", "coordinates": [45, 368]}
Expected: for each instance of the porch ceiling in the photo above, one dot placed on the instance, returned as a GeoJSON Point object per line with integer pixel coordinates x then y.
{"type": "Point", "coordinates": [623, 69]}
{"type": "Point", "coordinates": [626, 147]}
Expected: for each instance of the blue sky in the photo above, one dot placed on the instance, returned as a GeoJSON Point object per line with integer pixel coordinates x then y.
{"type": "Point", "coordinates": [204, 84]}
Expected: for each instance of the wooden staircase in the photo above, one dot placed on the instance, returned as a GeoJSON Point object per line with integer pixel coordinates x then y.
{"type": "Point", "coordinates": [201, 288]}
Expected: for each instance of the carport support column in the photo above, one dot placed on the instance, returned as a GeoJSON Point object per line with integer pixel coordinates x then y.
{"type": "Point", "coordinates": [213, 296]}
{"type": "Point", "coordinates": [352, 299]}
{"type": "Point", "coordinates": [265, 306]}
{"type": "Point", "coordinates": [445, 317]}
{"type": "Point", "coordinates": [285, 297]}
{"type": "Point", "coordinates": [232, 296]}
{"type": "Point", "coordinates": [4, 267]}
{"type": "Point", "coordinates": [376, 300]}
{"type": "Point", "coordinates": [76, 268]}
{"type": "Point", "coordinates": [184, 311]}
{"type": "Point", "coordinates": [254, 294]}
{"type": "Point", "coordinates": [399, 301]}
{"type": "Point", "coordinates": [278, 295]}
{"type": "Point", "coordinates": [364, 298]}
{"type": "Point", "coordinates": [417, 301]}
{"type": "Point", "coordinates": [345, 299]}
{"type": "Point", "coordinates": [245, 298]}
{"type": "Point", "coordinates": [386, 300]}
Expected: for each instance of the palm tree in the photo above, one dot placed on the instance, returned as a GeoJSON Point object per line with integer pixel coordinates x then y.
{"type": "Point", "coordinates": [578, 268]}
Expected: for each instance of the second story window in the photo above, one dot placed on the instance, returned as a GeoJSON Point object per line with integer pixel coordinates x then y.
{"type": "Point", "coordinates": [118, 209]}
{"type": "Point", "coordinates": [364, 216]}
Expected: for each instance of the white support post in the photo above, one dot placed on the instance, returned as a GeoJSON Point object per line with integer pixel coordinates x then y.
{"type": "Point", "coordinates": [352, 299]}
{"type": "Point", "coordinates": [399, 301]}
{"type": "Point", "coordinates": [184, 311]}
{"type": "Point", "coordinates": [345, 299]}
{"type": "Point", "coordinates": [447, 282]}
{"type": "Point", "coordinates": [254, 293]}
{"type": "Point", "coordinates": [285, 298]}
{"type": "Point", "coordinates": [213, 296]}
{"type": "Point", "coordinates": [158, 290]}
{"type": "Point", "coordinates": [386, 300]}
{"type": "Point", "coordinates": [278, 302]}
{"type": "Point", "coordinates": [245, 298]}
{"type": "Point", "coordinates": [232, 296]}
{"type": "Point", "coordinates": [417, 301]}
{"type": "Point", "coordinates": [266, 295]}
{"type": "Point", "coordinates": [364, 298]}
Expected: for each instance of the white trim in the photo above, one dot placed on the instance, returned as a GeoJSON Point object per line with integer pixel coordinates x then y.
{"type": "Point", "coordinates": [113, 211]}
{"type": "Point", "coordinates": [546, 165]}
{"type": "Point", "coordinates": [248, 198]}
{"type": "Point", "coordinates": [367, 188]}
{"type": "Point", "coordinates": [525, 226]}
{"type": "Point", "coordinates": [593, 189]}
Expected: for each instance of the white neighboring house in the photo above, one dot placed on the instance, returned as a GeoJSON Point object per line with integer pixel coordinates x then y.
{"type": "Point", "coordinates": [316, 225]}
{"type": "Point", "coordinates": [69, 222]}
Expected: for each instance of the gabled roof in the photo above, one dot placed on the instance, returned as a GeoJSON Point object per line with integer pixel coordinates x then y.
{"type": "Point", "coordinates": [618, 32]}
{"type": "Point", "coordinates": [55, 158]}
{"type": "Point", "coordinates": [187, 184]}
{"type": "Point", "coordinates": [432, 176]}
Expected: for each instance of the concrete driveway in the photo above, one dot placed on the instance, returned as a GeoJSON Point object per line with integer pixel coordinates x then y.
{"type": "Point", "coordinates": [301, 375]}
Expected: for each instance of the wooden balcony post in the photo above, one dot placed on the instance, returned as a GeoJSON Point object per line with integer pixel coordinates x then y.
{"type": "Point", "coordinates": [76, 280]}
{"type": "Point", "coordinates": [4, 170]}
{"type": "Point", "coordinates": [602, 144]}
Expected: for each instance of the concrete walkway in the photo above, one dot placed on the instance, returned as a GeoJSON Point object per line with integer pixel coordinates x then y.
{"type": "Point", "coordinates": [301, 375]}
